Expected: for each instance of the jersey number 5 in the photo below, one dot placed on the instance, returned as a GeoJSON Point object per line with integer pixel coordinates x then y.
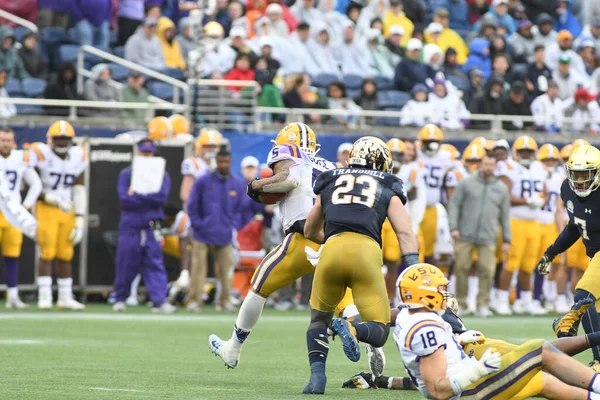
{"type": "Point", "coordinates": [345, 184]}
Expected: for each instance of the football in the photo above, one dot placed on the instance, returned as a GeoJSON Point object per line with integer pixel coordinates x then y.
{"type": "Point", "coordinates": [271, 198]}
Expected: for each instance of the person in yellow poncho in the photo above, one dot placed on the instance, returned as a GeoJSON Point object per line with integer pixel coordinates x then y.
{"type": "Point", "coordinates": [446, 37]}
{"type": "Point", "coordinates": [171, 50]}
{"type": "Point", "coordinates": [396, 16]}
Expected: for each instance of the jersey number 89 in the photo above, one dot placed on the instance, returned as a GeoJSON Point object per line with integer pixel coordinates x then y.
{"type": "Point", "coordinates": [345, 184]}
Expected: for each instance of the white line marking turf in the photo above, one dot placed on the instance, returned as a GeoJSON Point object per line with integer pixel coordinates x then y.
{"type": "Point", "coordinates": [117, 390]}
{"type": "Point", "coordinates": [19, 342]}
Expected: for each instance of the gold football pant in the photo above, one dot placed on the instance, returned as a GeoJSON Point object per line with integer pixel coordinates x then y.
{"type": "Point", "coordinates": [11, 239]}
{"type": "Point", "coordinates": [577, 257]}
{"type": "Point", "coordinates": [525, 245]}
{"type": "Point", "coordinates": [54, 229]}
{"type": "Point", "coordinates": [590, 281]}
{"type": "Point", "coordinates": [351, 260]}
{"type": "Point", "coordinates": [429, 229]}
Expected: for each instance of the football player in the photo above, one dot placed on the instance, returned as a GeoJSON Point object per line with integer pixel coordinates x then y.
{"type": "Point", "coordinates": [455, 174]}
{"type": "Point", "coordinates": [180, 125]}
{"type": "Point", "coordinates": [350, 208]}
{"type": "Point", "coordinates": [160, 128]}
{"type": "Point", "coordinates": [206, 148]}
{"type": "Point", "coordinates": [60, 211]}
{"type": "Point", "coordinates": [16, 165]}
{"type": "Point", "coordinates": [296, 167]}
{"type": "Point", "coordinates": [526, 182]}
{"type": "Point", "coordinates": [550, 221]}
{"type": "Point", "coordinates": [440, 369]}
{"type": "Point", "coordinates": [436, 164]}
{"type": "Point", "coordinates": [580, 195]}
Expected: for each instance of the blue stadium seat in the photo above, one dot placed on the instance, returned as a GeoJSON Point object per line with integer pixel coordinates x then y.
{"type": "Point", "coordinates": [119, 72]}
{"type": "Point", "coordinates": [90, 59]}
{"type": "Point", "coordinates": [14, 88]}
{"type": "Point", "coordinates": [352, 93]}
{"type": "Point", "coordinates": [33, 87]}
{"type": "Point", "coordinates": [119, 51]}
{"type": "Point", "coordinates": [68, 52]}
{"type": "Point", "coordinates": [173, 73]}
{"type": "Point", "coordinates": [26, 109]}
{"type": "Point", "coordinates": [20, 31]}
{"type": "Point", "coordinates": [53, 36]}
{"type": "Point", "coordinates": [353, 81]}
{"type": "Point", "coordinates": [384, 83]}
{"type": "Point", "coordinates": [392, 98]}
{"type": "Point", "coordinates": [323, 80]}
{"type": "Point", "coordinates": [161, 90]}
{"type": "Point", "coordinates": [388, 121]}
{"type": "Point", "coordinates": [460, 83]}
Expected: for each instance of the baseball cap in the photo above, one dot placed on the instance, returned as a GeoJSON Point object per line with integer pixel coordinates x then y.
{"type": "Point", "coordinates": [414, 44]}
{"type": "Point", "coordinates": [525, 23]}
{"type": "Point", "coordinates": [499, 2]}
{"type": "Point", "coordinates": [435, 27]}
{"type": "Point", "coordinates": [237, 31]}
{"type": "Point", "coordinates": [544, 18]}
{"type": "Point", "coordinates": [586, 42]}
{"type": "Point", "coordinates": [564, 59]}
{"type": "Point", "coordinates": [150, 22]}
{"type": "Point", "coordinates": [134, 73]}
{"type": "Point", "coordinates": [442, 12]}
{"type": "Point", "coordinates": [517, 87]}
{"type": "Point", "coordinates": [539, 46]}
{"type": "Point", "coordinates": [146, 145]}
{"type": "Point", "coordinates": [274, 8]}
{"type": "Point", "coordinates": [397, 30]}
{"type": "Point", "coordinates": [419, 87]}
{"type": "Point", "coordinates": [344, 147]}
{"type": "Point", "coordinates": [565, 35]}
{"type": "Point", "coordinates": [250, 161]}
{"type": "Point", "coordinates": [372, 34]}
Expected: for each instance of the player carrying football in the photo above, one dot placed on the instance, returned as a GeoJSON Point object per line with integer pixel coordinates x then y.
{"type": "Point", "coordinates": [350, 208]}
{"type": "Point", "coordinates": [60, 211]}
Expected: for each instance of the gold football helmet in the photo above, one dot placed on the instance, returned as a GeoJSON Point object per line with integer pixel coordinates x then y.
{"type": "Point", "coordinates": [160, 128]}
{"type": "Point", "coordinates": [454, 153]}
{"type": "Point", "coordinates": [472, 157]}
{"type": "Point", "coordinates": [372, 153]}
{"type": "Point", "coordinates": [430, 137]}
{"type": "Point", "coordinates": [207, 142]}
{"type": "Point", "coordinates": [524, 149]}
{"type": "Point", "coordinates": [549, 154]}
{"type": "Point", "coordinates": [423, 286]}
{"type": "Point", "coordinates": [180, 124]}
{"type": "Point", "coordinates": [300, 134]}
{"type": "Point", "coordinates": [580, 142]}
{"type": "Point", "coordinates": [60, 137]}
{"type": "Point", "coordinates": [398, 149]}
{"type": "Point", "coordinates": [582, 170]}
{"type": "Point", "coordinates": [565, 152]}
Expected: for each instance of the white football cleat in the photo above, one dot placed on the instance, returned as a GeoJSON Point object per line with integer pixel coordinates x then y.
{"type": "Point", "coordinates": [69, 303]}
{"type": "Point", "coordinates": [193, 307]}
{"type": "Point", "coordinates": [376, 359]}
{"type": "Point", "coordinates": [483, 312]}
{"type": "Point", "coordinates": [561, 305]}
{"type": "Point", "coordinates": [119, 306]}
{"type": "Point", "coordinates": [502, 309]}
{"type": "Point", "coordinates": [225, 350]}
{"type": "Point", "coordinates": [165, 308]}
{"type": "Point", "coordinates": [16, 304]}
{"type": "Point", "coordinates": [45, 300]}
{"type": "Point", "coordinates": [519, 307]}
{"type": "Point", "coordinates": [132, 301]}
{"type": "Point", "coordinates": [535, 308]}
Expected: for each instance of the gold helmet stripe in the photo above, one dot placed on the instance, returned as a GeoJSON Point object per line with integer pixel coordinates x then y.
{"type": "Point", "coordinates": [431, 131]}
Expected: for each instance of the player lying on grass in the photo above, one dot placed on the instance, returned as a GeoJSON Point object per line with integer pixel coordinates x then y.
{"type": "Point", "coordinates": [440, 369]}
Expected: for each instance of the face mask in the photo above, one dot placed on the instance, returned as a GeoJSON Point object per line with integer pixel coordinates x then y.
{"type": "Point", "coordinates": [525, 162]}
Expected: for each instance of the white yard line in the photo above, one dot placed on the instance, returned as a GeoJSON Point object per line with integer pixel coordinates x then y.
{"type": "Point", "coordinates": [117, 390]}
{"type": "Point", "coordinates": [19, 342]}
{"type": "Point", "coordinates": [143, 317]}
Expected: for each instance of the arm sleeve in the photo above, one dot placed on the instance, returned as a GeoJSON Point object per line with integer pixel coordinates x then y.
{"type": "Point", "coordinates": [35, 187]}
{"type": "Point", "coordinates": [566, 239]}
{"type": "Point", "coordinates": [454, 207]}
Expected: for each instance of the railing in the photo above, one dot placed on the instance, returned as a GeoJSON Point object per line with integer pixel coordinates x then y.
{"type": "Point", "coordinates": [216, 105]}
{"type": "Point", "coordinates": [19, 21]}
{"type": "Point", "coordinates": [177, 84]}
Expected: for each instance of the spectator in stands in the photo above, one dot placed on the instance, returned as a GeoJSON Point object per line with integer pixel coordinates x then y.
{"type": "Point", "coordinates": [52, 14]}
{"type": "Point", "coordinates": [433, 57]}
{"type": "Point", "coordinates": [488, 102]}
{"type": "Point", "coordinates": [220, 14]}
{"type": "Point", "coordinates": [411, 71]}
{"type": "Point", "coordinates": [219, 57]}
{"type": "Point", "coordinates": [499, 10]}
{"type": "Point", "coordinates": [235, 11]}
{"type": "Point", "coordinates": [458, 13]}
{"type": "Point", "coordinates": [591, 32]}
{"type": "Point", "coordinates": [237, 37]}
{"type": "Point", "coordinates": [152, 11]}
{"type": "Point", "coordinates": [213, 209]}
{"type": "Point", "coordinates": [565, 18]}
{"type": "Point", "coordinates": [353, 12]}
{"type": "Point", "coordinates": [535, 8]}
{"type": "Point", "coordinates": [34, 63]}
{"type": "Point", "coordinates": [295, 55]}
{"type": "Point", "coordinates": [447, 36]}
{"type": "Point", "coordinates": [479, 57]}
{"type": "Point", "coordinates": [351, 54]}
{"type": "Point", "coordinates": [333, 19]}
{"type": "Point", "coordinates": [453, 71]}
{"type": "Point", "coordinates": [396, 16]}
{"type": "Point", "coordinates": [134, 92]}
{"type": "Point", "coordinates": [377, 23]}
{"type": "Point", "coordinates": [241, 71]}
{"type": "Point", "coordinates": [475, 87]}
{"type": "Point", "coordinates": [145, 48]}
{"type": "Point", "coordinates": [298, 94]}
{"type": "Point", "coordinates": [586, 50]}
{"type": "Point", "coordinates": [322, 52]}
{"type": "Point", "coordinates": [417, 111]}
{"type": "Point", "coordinates": [367, 99]}
{"type": "Point", "coordinates": [338, 100]}
{"type": "Point", "coordinates": [516, 103]}
{"type": "Point", "coordinates": [477, 8]}
{"type": "Point", "coordinates": [415, 11]}
{"type": "Point", "coordinates": [98, 88]}
{"type": "Point", "coordinates": [579, 109]}
{"type": "Point", "coordinates": [488, 25]}
{"type": "Point", "coordinates": [279, 27]}
{"type": "Point", "coordinates": [538, 73]}
{"type": "Point", "coordinates": [266, 46]}
{"type": "Point", "coordinates": [547, 110]}
{"type": "Point", "coordinates": [375, 9]}
{"type": "Point", "coordinates": [563, 47]}
{"type": "Point", "coordinates": [447, 109]}
{"type": "Point", "coordinates": [522, 43]}
{"type": "Point", "coordinates": [62, 86]}
{"type": "Point", "coordinates": [165, 31]}
{"type": "Point", "coordinates": [6, 110]}
{"type": "Point", "coordinates": [595, 81]}
{"type": "Point", "coordinates": [305, 11]}
{"type": "Point", "coordinates": [131, 16]}
{"type": "Point", "coordinates": [393, 43]}
{"type": "Point", "coordinates": [567, 81]}
{"type": "Point", "coordinates": [501, 66]}
{"type": "Point", "coordinates": [498, 45]}
{"type": "Point", "coordinates": [268, 94]}
{"type": "Point", "coordinates": [92, 22]}
{"type": "Point", "coordinates": [9, 57]}
{"type": "Point", "coordinates": [543, 32]}
{"type": "Point", "coordinates": [184, 38]}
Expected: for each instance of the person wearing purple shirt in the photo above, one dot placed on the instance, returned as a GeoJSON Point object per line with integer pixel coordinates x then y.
{"type": "Point", "coordinates": [92, 21]}
{"type": "Point", "coordinates": [131, 15]}
{"type": "Point", "coordinates": [139, 243]}
{"type": "Point", "coordinates": [214, 208]}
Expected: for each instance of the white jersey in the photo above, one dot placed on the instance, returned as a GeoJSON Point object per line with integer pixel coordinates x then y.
{"type": "Point", "coordinates": [412, 176]}
{"type": "Point", "coordinates": [554, 180]}
{"type": "Point", "coordinates": [180, 228]}
{"type": "Point", "coordinates": [18, 166]}
{"type": "Point", "coordinates": [435, 170]}
{"type": "Point", "coordinates": [421, 334]}
{"type": "Point", "coordinates": [526, 183]}
{"type": "Point", "coordinates": [194, 166]}
{"type": "Point", "coordinates": [59, 174]}
{"type": "Point", "coordinates": [298, 202]}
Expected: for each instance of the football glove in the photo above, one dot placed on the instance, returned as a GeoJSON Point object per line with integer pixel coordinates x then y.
{"type": "Point", "coordinates": [535, 202]}
{"type": "Point", "coordinates": [471, 372]}
{"type": "Point", "coordinates": [77, 232]}
{"type": "Point", "coordinates": [252, 193]}
{"type": "Point", "coordinates": [183, 282]}
{"type": "Point", "coordinates": [544, 265]}
{"type": "Point", "coordinates": [362, 380]}
{"type": "Point", "coordinates": [471, 337]}
{"type": "Point", "coordinates": [63, 204]}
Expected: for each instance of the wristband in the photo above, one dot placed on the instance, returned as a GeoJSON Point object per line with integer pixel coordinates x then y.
{"type": "Point", "coordinates": [252, 193]}
{"type": "Point", "coordinates": [410, 259]}
{"type": "Point", "coordinates": [384, 382]}
{"type": "Point", "coordinates": [407, 383]}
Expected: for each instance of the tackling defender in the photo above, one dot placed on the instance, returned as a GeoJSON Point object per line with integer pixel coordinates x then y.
{"type": "Point", "coordinates": [60, 212]}
{"type": "Point", "coordinates": [348, 214]}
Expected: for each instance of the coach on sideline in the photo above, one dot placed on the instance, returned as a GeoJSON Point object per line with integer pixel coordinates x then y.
{"type": "Point", "coordinates": [478, 205]}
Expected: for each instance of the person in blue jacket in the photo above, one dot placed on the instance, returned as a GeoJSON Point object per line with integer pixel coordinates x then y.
{"type": "Point", "coordinates": [565, 19]}
{"type": "Point", "coordinates": [499, 10]}
{"type": "Point", "coordinates": [479, 58]}
{"type": "Point", "coordinates": [139, 243]}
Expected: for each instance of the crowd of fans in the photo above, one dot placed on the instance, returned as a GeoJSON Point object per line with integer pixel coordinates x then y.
{"type": "Point", "coordinates": [442, 60]}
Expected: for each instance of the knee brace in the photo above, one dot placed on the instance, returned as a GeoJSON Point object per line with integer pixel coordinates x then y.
{"type": "Point", "coordinates": [320, 319]}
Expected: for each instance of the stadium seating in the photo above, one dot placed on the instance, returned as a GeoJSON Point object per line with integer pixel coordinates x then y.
{"type": "Point", "coordinates": [352, 81]}
{"type": "Point", "coordinates": [388, 121]}
{"type": "Point", "coordinates": [392, 98]}
{"type": "Point", "coordinates": [323, 80]}
{"type": "Point", "coordinates": [119, 51]}
{"type": "Point", "coordinates": [119, 72]}
{"type": "Point", "coordinates": [20, 31]}
{"type": "Point", "coordinates": [383, 83]}
{"type": "Point", "coordinates": [161, 90]}
{"type": "Point", "coordinates": [91, 59]}
{"type": "Point", "coordinates": [33, 87]}
{"type": "Point", "coordinates": [173, 73]}
{"type": "Point", "coordinates": [26, 109]}
{"type": "Point", "coordinates": [68, 52]}
{"type": "Point", "coordinates": [14, 88]}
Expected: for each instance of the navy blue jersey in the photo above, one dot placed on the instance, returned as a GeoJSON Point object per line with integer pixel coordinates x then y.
{"type": "Point", "coordinates": [584, 214]}
{"type": "Point", "coordinates": [356, 200]}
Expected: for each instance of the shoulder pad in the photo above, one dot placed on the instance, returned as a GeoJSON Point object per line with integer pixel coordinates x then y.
{"type": "Point", "coordinates": [40, 150]}
{"type": "Point", "coordinates": [321, 182]}
{"type": "Point", "coordinates": [425, 337]}
{"type": "Point", "coordinates": [283, 152]}
{"type": "Point", "coordinates": [397, 187]}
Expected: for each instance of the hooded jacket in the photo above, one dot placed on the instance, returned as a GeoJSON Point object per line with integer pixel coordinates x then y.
{"type": "Point", "coordinates": [477, 58]}
{"type": "Point", "coordinates": [10, 59]}
{"type": "Point", "coordinates": [100, 90]}
{"type": "Point", "coordinates": [60, 89]}
{"type": "Point", "coordinates": [568, 21]}
{"type": "Point", "coordinates": [145, 51]}
{"type": "Point", "coordinates": [449, 38]}
{"type": "Point", "coordinates": [506, 20]}
{"type": "Point", "coordinates": [32, 60]}
{"type": "Point", "coordinates": [459, 14]}
{"type": "Point", "coordinates": [170, 48]}
{"type": "Point", "coordinates": [409, 73]}
{"type": "Point", "coordinates": [522, 47]}
{"type": "Point", "coordinates": [484, 103]}
{"type": "Point", "coordinates": [185, 44]}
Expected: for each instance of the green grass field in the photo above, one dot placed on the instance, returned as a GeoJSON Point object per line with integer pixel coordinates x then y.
{"type": "Point", "coordinates": [139, 355]}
